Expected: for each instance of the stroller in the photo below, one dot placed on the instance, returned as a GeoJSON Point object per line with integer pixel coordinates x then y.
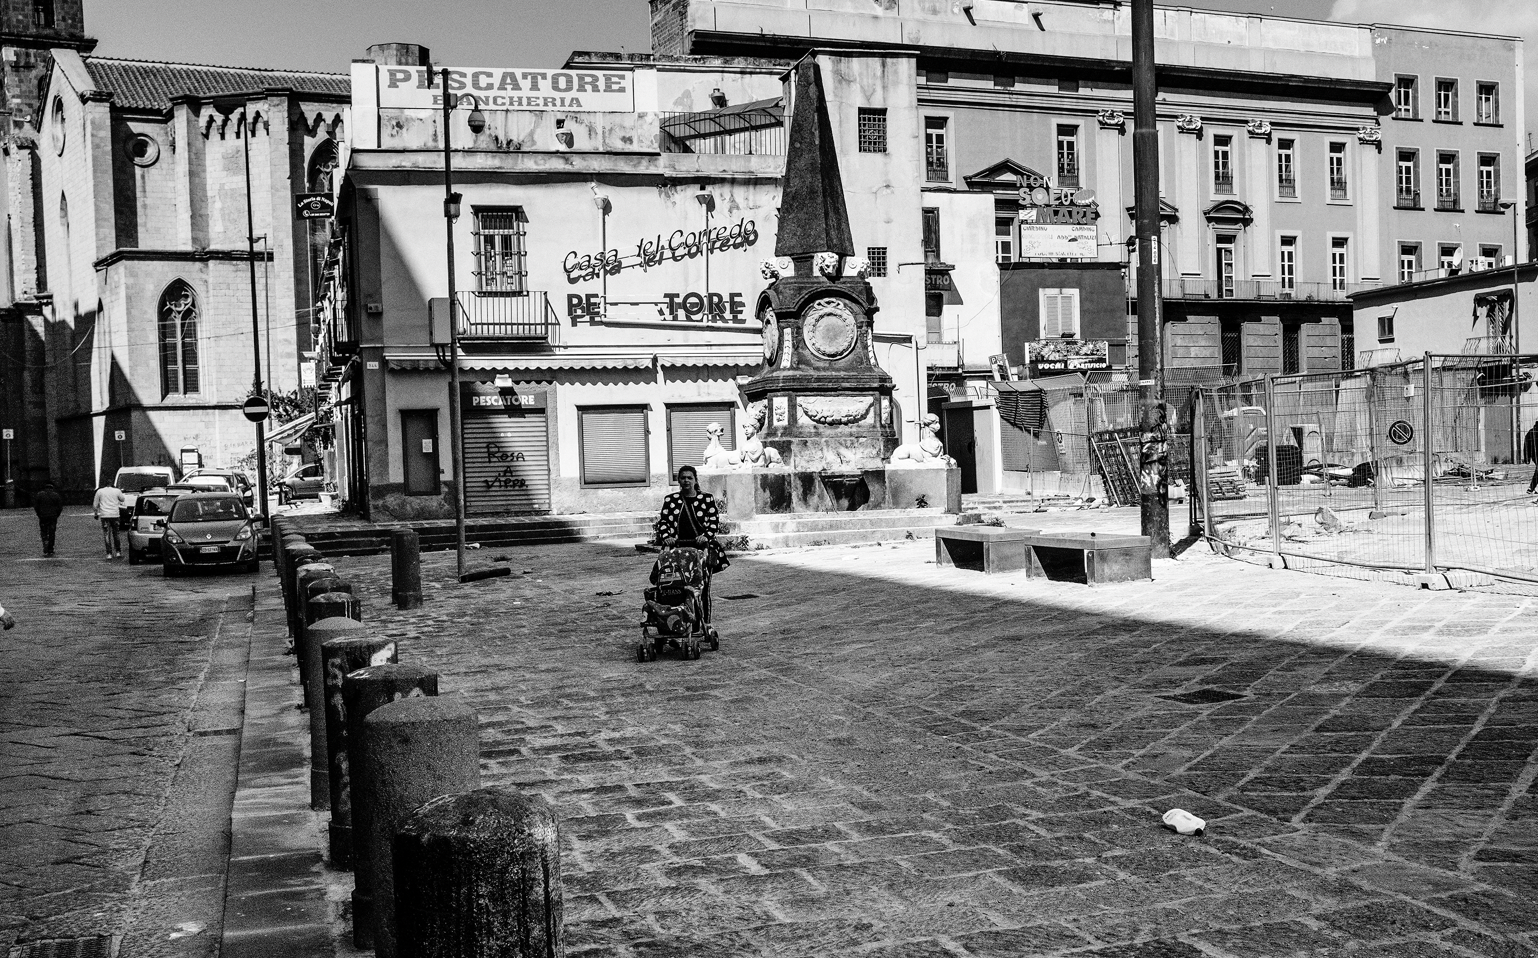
{"type": "Point", "coordinates": [678, 606]}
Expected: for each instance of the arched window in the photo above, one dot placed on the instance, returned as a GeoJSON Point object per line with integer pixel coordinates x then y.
{"type": "Point", "coordinates": [178, 340]}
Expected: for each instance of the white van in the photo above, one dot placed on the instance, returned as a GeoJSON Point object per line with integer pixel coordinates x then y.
{"type": "Point", "coordinates": [132, 480]}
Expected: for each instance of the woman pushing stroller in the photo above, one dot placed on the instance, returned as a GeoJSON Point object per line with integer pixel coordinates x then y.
{"type": "Point", "coordinates": [678, 605]}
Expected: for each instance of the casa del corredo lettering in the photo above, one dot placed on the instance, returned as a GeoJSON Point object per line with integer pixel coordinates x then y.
{"type": "Point", "coordinates": [677, 247]}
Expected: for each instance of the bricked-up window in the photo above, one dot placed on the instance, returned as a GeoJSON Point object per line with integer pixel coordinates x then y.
{"type": "Point", "coordinates": [872, 130]}
{"type": "Point", "coordinates": [1407, 101]}
{"type": "Point", "coordinates": [501, 250]}
{"type": "Point", "coordinates": [178, 341]}
{"type": "Point", "coordinates": [937, 162]}
{"type": "Point", "coordinates": [876, 257]}
{"type": "Point", "coordinates": [1487, 103]}
{"type": "Point", "coordinates": [1447, 100]}
{"type": "Point", "coordinates": [1067, 157]}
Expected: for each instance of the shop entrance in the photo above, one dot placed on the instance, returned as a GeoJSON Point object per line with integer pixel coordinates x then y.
{"type": "Point", "coordinates": [506, 450]}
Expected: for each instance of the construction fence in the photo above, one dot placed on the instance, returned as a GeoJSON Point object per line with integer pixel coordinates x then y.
{"type": "Point", "coordinates": [1415, 467]}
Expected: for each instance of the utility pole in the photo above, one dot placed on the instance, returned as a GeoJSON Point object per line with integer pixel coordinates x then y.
{"type": "Point", "coordinates": [1153, 473]}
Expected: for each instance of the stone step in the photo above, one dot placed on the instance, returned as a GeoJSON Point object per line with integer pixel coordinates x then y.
{"type": "Point", "coordinates": [840, 522]}
{"type": "Point", "coordinates": [437, 536]}
{"type": "Point", "coordinates": [827, 537]}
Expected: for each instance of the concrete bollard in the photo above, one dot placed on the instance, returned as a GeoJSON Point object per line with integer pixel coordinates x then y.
{"type": "Point", "coordinates": [294, 556]}
{"type": "Point", "coordinates": [339, 657]}
{"type": "Point", "coordinates": [363, 691]}
{"type": "Point", "coordinates": [414, 750]}
{"type": "Point", "coordinates": [319, 633]}
{"type": "Point", "coordinates": [338, 603]}
{"type": "Point", "coordinates": [294, 589]}
{"type": "Point", "coordinates": [324, 578]}
{"type": "Point", "coordinates": [479, 874]}
{"type": "Point", "coordinates": [405, 569]}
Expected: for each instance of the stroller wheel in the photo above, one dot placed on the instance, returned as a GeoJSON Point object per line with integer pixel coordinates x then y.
{"type": "Point", "coordinates": [715, 641]}
{"type": "Point", "coordinates": [693, 650]}
{"type": "Point", "coordinates": [643, 652]}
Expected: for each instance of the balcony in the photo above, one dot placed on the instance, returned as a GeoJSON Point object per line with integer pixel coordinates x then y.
{"type": "Point", "coordinates": [507, 316]}
{"type": "Point", "coordinates": [1223, 183]}
{"type": "Point", "coordinates": [1448, 203]}
{"type": "Point", "coordinates": [1407, 199]}
{"type": "Point", "coordinates": [1286, 186]}
{"type": "Point", "coordinates": [1259, 290]}
{"type": "Point", "coordinates": [1338, 190]}
{"type": "Point", "coordinates": [1489, 203]}
{"type": "Point", "coordinates": [1068, 176]}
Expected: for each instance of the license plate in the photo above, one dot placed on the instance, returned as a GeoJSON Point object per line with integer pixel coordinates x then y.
{"type": "Point", "coordinates": [209, 550]}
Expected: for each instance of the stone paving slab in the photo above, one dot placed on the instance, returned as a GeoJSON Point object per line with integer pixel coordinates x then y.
{"type": "Point", "coordinates": [889, 757]}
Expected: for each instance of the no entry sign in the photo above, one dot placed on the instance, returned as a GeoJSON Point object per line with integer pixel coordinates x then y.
{"type": "Point", "coordinates": [256, 408]}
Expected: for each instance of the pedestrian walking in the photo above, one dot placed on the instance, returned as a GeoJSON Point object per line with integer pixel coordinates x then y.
{"type": "Point", "coordinates": [108, 506]}
{"type": "Point", "coordinates": [1530, 454]}
{"type": "Point", "coordinates": [48, 505]}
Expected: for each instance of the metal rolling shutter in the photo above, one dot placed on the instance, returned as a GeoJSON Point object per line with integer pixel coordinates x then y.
{"type": "Point", "coordinates": [686, 433]}
{"type": "Point", "coordinates": [614, 446]}
{"type": "Point", "coordinates": [507, 464]}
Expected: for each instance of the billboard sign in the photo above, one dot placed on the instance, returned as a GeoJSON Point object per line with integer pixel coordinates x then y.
{"type": "Point", "coordinates": [572, 91]}
{"type": "Point", "coordinates": [1047, 356]}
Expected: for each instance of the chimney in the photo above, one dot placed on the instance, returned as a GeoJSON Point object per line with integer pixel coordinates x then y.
{"type": "Point", "coordinates": [399, 55]}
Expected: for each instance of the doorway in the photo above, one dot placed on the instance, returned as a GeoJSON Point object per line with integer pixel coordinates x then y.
{"type": "Point", "coordinates": [419, 451]}
{"type": "Point", "coordinates": [961, 444]}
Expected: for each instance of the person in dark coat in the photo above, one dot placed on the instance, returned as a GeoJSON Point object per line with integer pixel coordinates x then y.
{"type": "Point", "coordinates": [49, 505]}
{"type": "Point", "coordinates": [1530, 454]}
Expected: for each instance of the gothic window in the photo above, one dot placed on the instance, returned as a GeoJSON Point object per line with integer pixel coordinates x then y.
{"type": "Point", "coordinates": [178, 329]}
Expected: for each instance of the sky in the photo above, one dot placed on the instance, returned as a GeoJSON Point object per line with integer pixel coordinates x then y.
{"type": "Point", "coordinates": [303, 34]}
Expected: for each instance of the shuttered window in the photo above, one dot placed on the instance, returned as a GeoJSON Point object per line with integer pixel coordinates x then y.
{"type": "Point", "coordinates": [1059, 314]}
{"type": "Point", "coordinates": [613, 445]}
{"type": "Point", "coordinates": [687, 438]}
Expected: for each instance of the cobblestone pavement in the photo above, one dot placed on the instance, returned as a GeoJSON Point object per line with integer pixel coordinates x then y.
{"type": "Point", "coordinates": [892, 758]}
{"type": "Point", "coordinates": [116, 744]}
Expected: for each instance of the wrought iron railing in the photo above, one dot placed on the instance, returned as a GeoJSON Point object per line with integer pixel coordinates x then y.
{"type": "Point", "coordinates": [1407, 199]}
{"type": "Point", "coordinates": [1489, 203]}
{"type": "Point", "coordinates": [1256, 289]}
{"type": "Point", "coordinates": [1223, 183]}
{"type": "Point", "coordinates": [1338, 190]}
{"type": "Point", "coordinates": [1448, 202]}
{"type": "Point", "coordinates": [1286, 186]}
{"type": "Point", "coordinates": [524, 316]}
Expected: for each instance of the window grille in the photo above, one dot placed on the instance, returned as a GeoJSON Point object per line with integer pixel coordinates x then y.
{"type": "Point", "coordinates": [872, 130]}
{"type": "Point", "coordinates": [501, 251]}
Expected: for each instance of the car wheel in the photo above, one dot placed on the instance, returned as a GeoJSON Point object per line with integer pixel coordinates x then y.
{"type": "Point", "coordinates": [134, 556]}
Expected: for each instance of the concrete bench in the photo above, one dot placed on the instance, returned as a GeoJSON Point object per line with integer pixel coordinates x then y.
{"type": "Point", "coordinates": [990, 549]}
{"type": "Point", "coordinates": [1068, 556]}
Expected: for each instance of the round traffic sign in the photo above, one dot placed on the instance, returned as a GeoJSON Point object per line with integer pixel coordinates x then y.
{"type": "Point", "coordinates": [256, 408]}
{"type": "Point", "coordinates": [1401, 433]}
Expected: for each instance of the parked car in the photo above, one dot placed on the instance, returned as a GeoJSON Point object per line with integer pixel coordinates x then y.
{"type": "Point", "coordinates": [305, 482]}
{"type": "Point", "coordinates": [209, 530]}
{"type": "Point", "coordinates": [235, 480]}
{"type": "Point", "coordinates": [132, 480]}
{"type": "Point", "coordinates": [205, 482]}
{"type": "Point", "coordinates": [148, 524]}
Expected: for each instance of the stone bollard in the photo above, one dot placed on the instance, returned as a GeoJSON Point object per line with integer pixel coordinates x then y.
{"type": "Point", "coordinates": [302, 561]}
{"type": "Point", "coordinates": [364, 691]}
{"type": "Point", "coordinates": [337, 604]}
{"type": "Point", "coordinates": [339, 657]}
{"type": "Point", "coordinates": [313, 572]}
{"type": "Point", "coordinates": [406, 569]}
{"type": "Point", "coordinates": [293, 557]}
{"type": "Point", "coordinates": [479, 874]}
{"type": "Point", "coordinates": [414, 750]}
{"type": "Point", "coordinates": [322, 631]}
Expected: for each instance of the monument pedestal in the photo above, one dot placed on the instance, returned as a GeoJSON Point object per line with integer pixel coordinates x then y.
{"type": "Point", "coordinates": [748, 493]}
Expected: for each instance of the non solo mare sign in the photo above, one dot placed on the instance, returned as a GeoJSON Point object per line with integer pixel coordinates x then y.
{"type": "Point", "coordinates": [572, 91]}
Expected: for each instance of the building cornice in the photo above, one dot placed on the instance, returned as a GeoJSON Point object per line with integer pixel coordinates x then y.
{"type": "Point", "coordinates": [35, 42]}
{"type": "Point", "coordinates": [1498, 278]}
{"type": "Point", "coordinates": [1058, 104]}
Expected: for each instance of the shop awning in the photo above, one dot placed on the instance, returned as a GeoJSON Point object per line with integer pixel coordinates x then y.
{"type": "Point", "coordinates": [732, 356]}
{"type": "Point", "coordinates": [291, 430]}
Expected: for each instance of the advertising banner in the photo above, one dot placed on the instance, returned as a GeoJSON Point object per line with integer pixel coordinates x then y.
{"type": "Point", "coordinates": [1056, 241]}
{"type": "Point", "coordinates": [587, 91]}
{"type": "Point", "coordinates": [1047, 356]}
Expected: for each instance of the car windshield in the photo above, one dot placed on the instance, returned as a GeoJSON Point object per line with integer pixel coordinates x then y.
{"type": "Point", "coordinates": [139, 481]}
{"type": "Point", "coordinates": [207, 509]}
{"type": "Point", "coordinates": [153, 505]}
{"type": "Point", "coordinates": [208, 482]}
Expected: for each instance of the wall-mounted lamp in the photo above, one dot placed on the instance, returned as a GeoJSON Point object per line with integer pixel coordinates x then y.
{"type": "Point", "coordinates": [601, 201]}
{"type": "Point", "coordinates": [706, 199]}
{"type": "Point", "coordinates": [503, 381]}
{"type": "Point", "coordinates": [451, 205]}
{"type": "Point", "coordinates": [718, 98]}
{"type": "Point", "coordinates": [476, 119]}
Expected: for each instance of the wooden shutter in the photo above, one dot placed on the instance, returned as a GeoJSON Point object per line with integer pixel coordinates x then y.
{"type": "Point", "coordinates": [687, 438]}
{"type": "Point", "coordinates": [614, 446]}
{"type": "Point", "coordinates": [1059, 313]}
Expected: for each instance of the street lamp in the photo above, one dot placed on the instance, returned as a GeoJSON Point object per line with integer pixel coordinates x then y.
{"type": "Point", "coordinates": [1516, 330]}
{"type": "Point", "coordinates": [451, 204]}
{"type": "Point", "coordinates": [227, 107]}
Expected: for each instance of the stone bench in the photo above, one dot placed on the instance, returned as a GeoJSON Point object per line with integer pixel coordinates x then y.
{"type": "Point", "coordinates": [1067, 556]}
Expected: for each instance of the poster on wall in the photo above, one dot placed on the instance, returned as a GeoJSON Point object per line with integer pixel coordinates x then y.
{"type": "Point", "coordinates": [1056, 241]}
{"type": "Point", "coordinates": [1048, 356]}
{"type": "Point", "coordinates": [577, 91]}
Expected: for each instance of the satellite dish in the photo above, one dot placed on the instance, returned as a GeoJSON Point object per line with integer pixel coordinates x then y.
{"type": "Point", "coordinates": [1084, 197]}
{"type": "Point", "coordinates": [1040, 196]}
{"type": "Point", "coordinates": [1457, 263]}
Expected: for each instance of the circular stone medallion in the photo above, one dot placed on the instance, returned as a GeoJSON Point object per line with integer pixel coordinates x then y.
{"type": "Point", "coordinates": [829, 328]}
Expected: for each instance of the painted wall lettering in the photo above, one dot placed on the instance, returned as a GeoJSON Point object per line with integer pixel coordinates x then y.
{"type": "Point", "coordinates": [676, 247]}
{"type": "Point", "coordinates": [682, 307]}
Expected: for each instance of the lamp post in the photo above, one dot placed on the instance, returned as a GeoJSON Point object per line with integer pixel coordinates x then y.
{"type": "Point", "coordinates": [1516, 332]}
{"type": "Point", "coordinates": [227, 107]}
{"type": "Point", "coordinates": [451, 199]}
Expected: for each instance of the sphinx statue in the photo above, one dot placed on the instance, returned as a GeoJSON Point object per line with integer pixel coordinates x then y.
{"type": "Point", "coordinates": [718, 458]}
{"type": "Point", "coordinates": [753, 451]}
{"type": "Point", "coordinates": [929, 451]}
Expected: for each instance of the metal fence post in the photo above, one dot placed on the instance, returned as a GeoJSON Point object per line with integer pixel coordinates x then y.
{"type": "Point", "coordinates": [1273, 487]}
{"type": "Point", "coordinates": [1427, 467]}
{"type": "Point", "coordinates": [1372, 439]}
